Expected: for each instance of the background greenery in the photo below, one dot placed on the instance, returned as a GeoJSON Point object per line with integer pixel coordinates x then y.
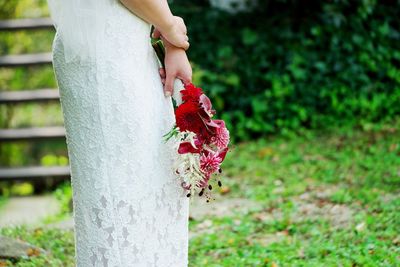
{"type": "Point", "coordinates": [288, 64]}
{"type": "Point", "coordinates": [277, 68]}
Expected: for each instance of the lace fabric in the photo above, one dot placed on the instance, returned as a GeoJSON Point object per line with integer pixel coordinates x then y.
{"type": "Point", "coordinates": [81, 23]}
{"type": "Point", "coordinates": [129, 207]}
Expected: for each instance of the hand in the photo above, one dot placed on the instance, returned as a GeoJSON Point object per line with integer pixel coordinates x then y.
{"type": "Point", "coordinates": [177, 66]}
{"type": "Point", "coordinates": [175, 33]}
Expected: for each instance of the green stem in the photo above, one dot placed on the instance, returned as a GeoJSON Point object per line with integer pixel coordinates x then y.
{"type": "Point", "coordinates": [159, 48]}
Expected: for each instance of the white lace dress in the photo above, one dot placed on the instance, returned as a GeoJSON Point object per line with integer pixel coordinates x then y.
{"type": "Point", "coordinates": [129, 208]}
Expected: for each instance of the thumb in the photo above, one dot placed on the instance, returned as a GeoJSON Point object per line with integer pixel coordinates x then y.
{"type": "Point", "coordinates": [169, 84]}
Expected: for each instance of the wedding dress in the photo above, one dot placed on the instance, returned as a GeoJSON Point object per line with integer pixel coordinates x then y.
{"type": "Point", "coordinates": [129, 208]}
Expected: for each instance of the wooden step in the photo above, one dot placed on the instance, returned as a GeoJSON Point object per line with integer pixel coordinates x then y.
{"type": "Point", "coordinates": [29, 96]}
{"type": "Point", "coordinates": [25, 24]}
{"type": "Point", "coordinates": [26, 60]}
{"type": "Point", "coordinates": [32, 133]}
{"type": "Point", "coordinates": [33, 172]}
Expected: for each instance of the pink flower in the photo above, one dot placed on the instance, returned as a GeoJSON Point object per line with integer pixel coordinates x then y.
{"type": "Point", "coordinates": [206, 104]}
{"type": "Point", "coordinates": [221, 136]}
{"type": "Point", "coordinates": [203, 182]}
{"type": "Point", "coordinates": [186, 185]}
{"type": "Point", "coordinates": [210, 162]}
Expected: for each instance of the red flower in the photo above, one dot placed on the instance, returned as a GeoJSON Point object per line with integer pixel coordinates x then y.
{"type": "Point", "coordinates": [187, 147]}
{"type": "Point", "coordinates": [188, 117]}
{"type": "Point", "coordinates": [191, 93]}
{"type": "Point", "coordinates": [207, 131]}
{"type": "Point", "coordinates": [222, 153]}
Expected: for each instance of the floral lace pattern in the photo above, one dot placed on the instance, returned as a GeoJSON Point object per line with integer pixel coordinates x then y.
{"type": "Point", "coordinates": [129, 207]}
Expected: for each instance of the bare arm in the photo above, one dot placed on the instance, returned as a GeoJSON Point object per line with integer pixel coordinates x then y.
{"type": "Point", "coordinates": [158, 13]}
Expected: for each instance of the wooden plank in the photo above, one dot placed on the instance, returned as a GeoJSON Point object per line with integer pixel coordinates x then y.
{"type": "Point", "coordinates": [29, 95]}
{"type": "Point", "coordinates": [25, 60]}
{"type": "Point", "coordinates": [26, 24]}
{"type": "Point", "coordinates": [32, 133]}
{"type": "Point", "coordinates": [33, 172]}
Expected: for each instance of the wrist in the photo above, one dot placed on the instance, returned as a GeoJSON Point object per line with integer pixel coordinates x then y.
{"type": "Point", "coordinates": [167, 24]}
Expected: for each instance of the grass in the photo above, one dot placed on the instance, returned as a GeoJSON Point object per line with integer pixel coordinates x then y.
{"type": "Point", "coordinates": [3, 201]}
{"type": "Point", "coordinates": [327, 199]}
{"type": "Point", "coordinates": [59, 243]}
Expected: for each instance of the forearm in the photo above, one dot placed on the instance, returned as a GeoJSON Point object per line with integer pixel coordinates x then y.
{"type": "Point", "coordinates": [156, 12]}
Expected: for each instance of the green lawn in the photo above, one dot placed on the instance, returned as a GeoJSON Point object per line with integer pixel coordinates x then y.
{"type": "Point", "coordinates": [328, 199]}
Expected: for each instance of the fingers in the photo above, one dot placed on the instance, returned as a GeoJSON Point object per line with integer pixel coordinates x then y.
{"type": "Point", "coordinates": [181, 24]}
{"type": "Point", "coordinates": [176, 35]}
{"type": "Point", "coordinates": [162, 72]}
{"type": "Point", "coordinates": [186, 79]}
{"type": "Point", "coordinates": [185, 44]}
{"type": "Point", "coordinates": [185, 75]}
{"type": "Point", "coordinates": [178, 40]}
{"type": "Point", "coordinates": [182, 42]}
{"type": "Point", "coordinates": [169, 85]}
{"type": "Point", "coordinates": [156, 33]}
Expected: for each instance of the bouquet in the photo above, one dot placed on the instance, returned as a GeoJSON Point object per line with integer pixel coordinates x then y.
{"type": "Point", "coordinates": [201, 141]}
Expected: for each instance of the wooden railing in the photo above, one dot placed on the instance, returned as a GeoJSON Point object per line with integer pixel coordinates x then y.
{"type": "Point", "coordinates": [20, 97]}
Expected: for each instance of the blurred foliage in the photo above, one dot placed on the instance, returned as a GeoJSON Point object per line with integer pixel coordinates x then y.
{"type": "Point", "coordinates": [292, 64]}
{"type": "Point", "coordinates": [11, 9]}
{"type": "Point", "coordinates": [63, 194]}
{"type": "Point", "coordinates": [44, 153]}
{"type": "Point", "coordinates": [18, 188]}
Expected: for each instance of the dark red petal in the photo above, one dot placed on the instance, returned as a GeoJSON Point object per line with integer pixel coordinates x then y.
{"type": "Point", "coordinates": [186, 147]}
{"type": "Point", "coordinates": [222, 153]}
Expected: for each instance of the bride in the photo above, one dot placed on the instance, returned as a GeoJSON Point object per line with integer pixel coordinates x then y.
{"type": "Point", "coordinates": [129, 208]}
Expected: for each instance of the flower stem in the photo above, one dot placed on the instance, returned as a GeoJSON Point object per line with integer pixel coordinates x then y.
{"type": "Point", "coordinates": [159, 48]}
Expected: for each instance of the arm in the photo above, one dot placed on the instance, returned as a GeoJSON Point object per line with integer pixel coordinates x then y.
{"type": "Point", "coordinates": [157, 12]}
